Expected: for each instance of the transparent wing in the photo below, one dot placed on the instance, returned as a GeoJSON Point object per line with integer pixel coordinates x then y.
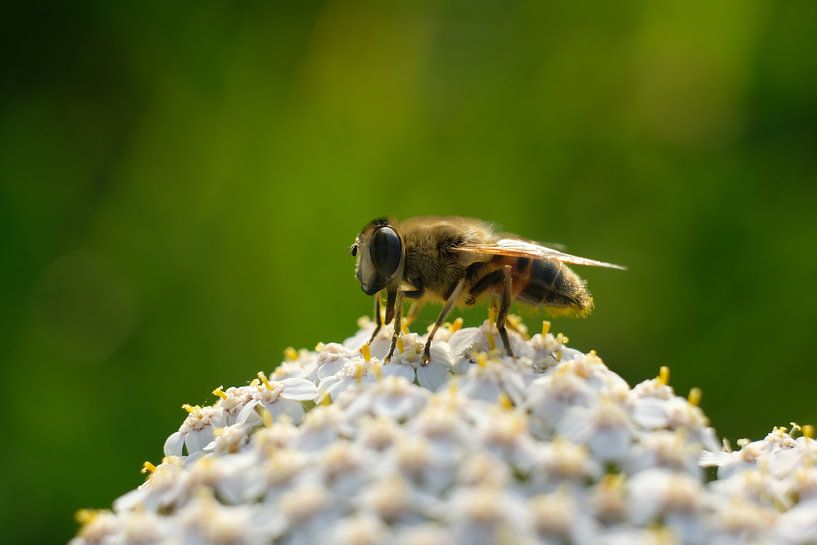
{"type": "Point", "coordinates": [547, 243]}
{"type": "Point", "coordinates": [520, 248]}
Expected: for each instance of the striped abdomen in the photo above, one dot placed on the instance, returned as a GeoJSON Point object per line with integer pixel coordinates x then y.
{"type": "Point", "coordinates": [552, 284]}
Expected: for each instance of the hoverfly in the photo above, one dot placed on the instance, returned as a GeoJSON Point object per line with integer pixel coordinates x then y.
{"type": "Point", "coordinates": [456, 261]}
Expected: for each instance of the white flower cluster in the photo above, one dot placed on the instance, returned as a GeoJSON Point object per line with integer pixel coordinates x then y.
{"type": "Point", "coordinates": [550, 447]}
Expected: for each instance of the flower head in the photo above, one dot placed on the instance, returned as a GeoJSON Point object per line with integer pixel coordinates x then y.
{"type": "Point", "coordinates": [548, 447]}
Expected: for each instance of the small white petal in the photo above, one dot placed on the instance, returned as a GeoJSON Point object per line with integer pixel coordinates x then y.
{"type": "Point", "coordinates": [482, 389]}
{"type": "Point", "coordinates": [299, 389]}
{"type": "Point", "coordinates": [248, 414]}
{"type": "Point", "coordinates": [174, 444]}
{"type": "Point", "coordinates": [651, 413]}
{"type": "Point", "coordinates": [462, 341]}
{"type": "Point", "coordinates": [394, 407]}
{"type": "Point", "coordinates": [293, 409]}
{"type": "Point", "coordinates": [433, 375]}
{"type": "Point", "coordinates": [610, 444]}
{"type": "Point", "coordinates": [398, 370]}
{"type": "Point", "coordinates": [330, 368]}
{"type": "Point", "coordinates": [196, 440]}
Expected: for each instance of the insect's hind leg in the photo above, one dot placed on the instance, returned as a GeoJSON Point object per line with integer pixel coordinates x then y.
{"type": "Point", "coordinates": [488, 281]}
{"type": "Point", "coordinates": [504, 305]}
{"type": "Point", "coordinates": [498, 277]}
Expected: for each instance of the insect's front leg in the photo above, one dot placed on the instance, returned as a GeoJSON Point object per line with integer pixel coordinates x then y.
{"type": "Point", "coordinates": [378, 319]}
{"type": "Point", "coordinates": [505, 304]}
{"type": "Point", "coordinates": [441, 318]}
{"type": "Point", "coordinates": [391, 297]}
{"type": "Point", "coordinates": [398, 314]}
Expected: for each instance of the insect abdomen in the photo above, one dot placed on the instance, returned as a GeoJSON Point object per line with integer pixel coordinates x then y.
{"type": "Point", "coordinates": [552, 284]}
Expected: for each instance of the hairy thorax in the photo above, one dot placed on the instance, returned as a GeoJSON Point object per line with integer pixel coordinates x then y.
{"type": "Point", "coordinates": [430, 263]}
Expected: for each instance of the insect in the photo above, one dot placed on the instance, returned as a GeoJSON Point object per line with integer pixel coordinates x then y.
{"type": "Point", "coordinates": [457, 261]}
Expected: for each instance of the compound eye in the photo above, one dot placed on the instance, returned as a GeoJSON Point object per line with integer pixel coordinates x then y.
{"type": "Point", "coordinates": [386, 251]}
{"type": "Point", "coordinates": [353, 251]}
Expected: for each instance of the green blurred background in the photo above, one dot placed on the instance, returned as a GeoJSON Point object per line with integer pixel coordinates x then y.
{"type": "Point", "coordinates": [181, 184]}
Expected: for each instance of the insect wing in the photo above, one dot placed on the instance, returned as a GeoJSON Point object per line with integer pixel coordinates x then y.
{"type": "Point", "coordinates": [520, 248]}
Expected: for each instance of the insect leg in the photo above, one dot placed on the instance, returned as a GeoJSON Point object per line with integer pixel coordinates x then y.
{"type": "Point", "coordinates": [414, 310]}
{"type": "Point", "coordinates": [416, 304]}
{"type": "Point", "coordinates": [391, 295]}
{"type": "Point", "coordinates": [490, 280]}
{"type": "Point", "coordinates": [414, 294]}
{"type": "Point", "coordinates": [441, 318]}
{"type": "Point", "coordinates": [505, 304]}
{"type": "Point", "coordinates": [398, 314]}
{"type": "Point", "coordinates": [378, 319]}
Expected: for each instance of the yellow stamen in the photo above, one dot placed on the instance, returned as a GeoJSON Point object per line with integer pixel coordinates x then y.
{"type": "Point", "coordinates": [453, 386]}
{"type": "Point", "coordinates": [290, 353]}
{"type": "Point", "coordinates": [147, 467]}
{"type": "Point", "coordinates": [326, 399]}
{"type": "Point", "coordinates": [255, 383]}
{"type": "Point", "coordinates": [404, 327]}
{"type": "Point", "coordinates": [86, 516]}
{"type": "Point", "coordinates": [694, 396]}
{"type": "Point", "coordinates": [284, 419]}
{"type": "Point", "coordinates": [267, 418]}
{"type": "Point", "coordinates": [661, 534]}
{"type": "Point", "coordinates": [377, 369]}
{"type": "Point", "coordinates": [400, 345]}
{"type": "Point", "coordinates": [359, 373]}
{"type": "Point", "coordinates": [545, 327]}
{"type": "Point", "coordinates": [219, 392]}
{"type": "Point", "coordinates": [456, 325]}
{"type": "Point", "coordinates": [515, 323]}
{"type": "Point", "coordinates": [264, 380]}
{"type": "Point", "coordinates": [319, 347]}
{"type": "Point", "coordinates": [593, 358]}
{"type": "Point", "coordinates": [491, 342]}
{"type": "Point", "coordinates": [519, 425]}
{"type": "Point", "coordinates": [492, 315]}
{"type": "Point", "coordinates": [808, 431]}
{"type": "Point", "coordinates": [663, 375]}
{"type": "Point", "coordinates": [505, 401]}
{"type": "Point", "coordinates": [612, 480]}
{"type": "Point", "coordinates": [366, 350]}
{"type": "Point", "coordinates": [482, 359]}
{"type": "Point", "coordinates": [561, 338]}
{"type": "Point", "coordinates": [557, 355]}
{"type": "Point", "coordinates": [190, 408]}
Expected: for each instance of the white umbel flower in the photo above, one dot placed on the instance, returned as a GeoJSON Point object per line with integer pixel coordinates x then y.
{"type": "Point", "coordinates": [407, 362]}
{"type": "Point", "coordinates": [549, 447]}
{"type": "Point", "coordinates": [197, 430]}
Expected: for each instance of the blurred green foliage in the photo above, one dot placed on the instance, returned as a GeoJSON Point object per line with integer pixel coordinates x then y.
{"type": "Point", "coordinates": [181, 184]}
